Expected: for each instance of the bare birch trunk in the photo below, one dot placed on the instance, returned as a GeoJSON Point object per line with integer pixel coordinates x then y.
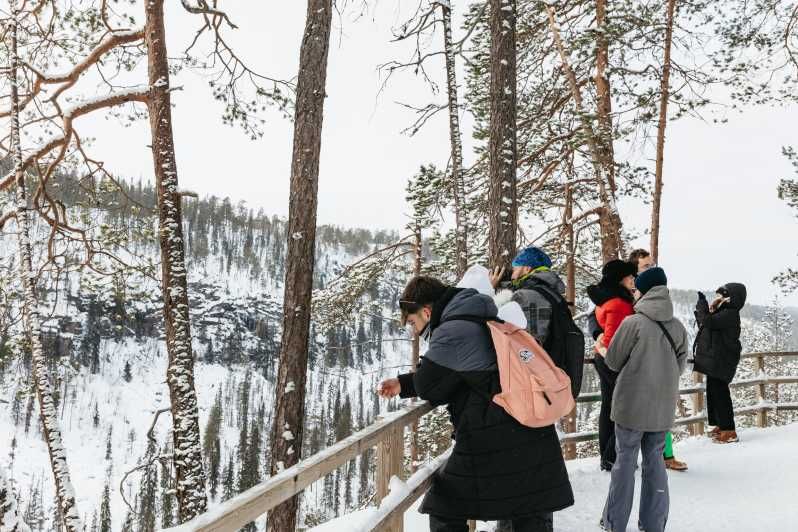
{"type": "Point", "coordinates": [663, 120]}
{"type": "Point", "coordinates": [286, 441]}
{"type": "Point", "coordinates": [65, 494]}
{"type": "Point", "coordinates": [609, 219]}
{"type": "Point", "coordinates": [189, 474]}
{"type": "Point", "coordinates": [458, 186]}
{"type": "Point", "coordinates": [502, 201]}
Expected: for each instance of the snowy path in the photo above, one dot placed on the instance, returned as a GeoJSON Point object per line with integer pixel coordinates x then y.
{"type": "Point", "coordinates": [751, 486]}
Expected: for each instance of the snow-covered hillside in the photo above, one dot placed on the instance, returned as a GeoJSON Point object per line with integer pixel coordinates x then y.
{"type": "Point", "coordinates": [741, 487]}
{"type": "Point", "coordinates": [105, 348]}
{"type": "Point", "coordinates": [106, 352]}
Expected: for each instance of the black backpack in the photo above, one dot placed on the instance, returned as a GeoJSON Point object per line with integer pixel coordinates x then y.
{"type": "Point", "coordinates": [565, 342]}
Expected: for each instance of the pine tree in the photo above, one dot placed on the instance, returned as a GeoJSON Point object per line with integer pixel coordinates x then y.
{"type": "Point", "coordinates": [167, 497]}
{"type": "Point", "coordinates": [228, 479]}
{"type": "Point", "coordinates": [126, 373]}
{"type": "Point", "coordinates": [187, 444]}
{"type": "Point", "coordinates": [105, 510]}
{"type": "Point", "coordinates": [250, 470]}
{"type": "Point", "coordinates": [211, 444]}
{"type": "Point", "coordinates": [289, 412]}
{"type": "Point", "coordinates": [108, 446]}
{"type": "Point", "coordinates": [95, 418]}
{"type": "Point", "coordinates": [147, 503]}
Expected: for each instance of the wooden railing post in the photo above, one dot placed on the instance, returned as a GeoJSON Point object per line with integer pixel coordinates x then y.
{"type": "Point", "coordinates": [697, 428]}
{"type": "Point", "coordinates": [762, 415]}
{"type": "Point", "coordinates": [390, 454]}
{"type": "Point", "coordinates": [569, 427]}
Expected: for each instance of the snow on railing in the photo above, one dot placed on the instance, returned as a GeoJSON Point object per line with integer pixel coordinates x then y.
{"type": "Point", "coordinates": [395, 495]}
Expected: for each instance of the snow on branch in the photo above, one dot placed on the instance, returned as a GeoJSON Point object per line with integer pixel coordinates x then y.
{"type": "Point", "coordinates": [108, 43]}
{"type": "Point", "coordinates": [338, 300]}
{"type": "Point", "coordinates": [69, 115]}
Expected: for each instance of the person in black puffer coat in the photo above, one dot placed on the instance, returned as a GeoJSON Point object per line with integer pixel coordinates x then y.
{"type": "Point", "coordinates": [717, 352]}
{"type": "Point", "coordinates": [499, 469]}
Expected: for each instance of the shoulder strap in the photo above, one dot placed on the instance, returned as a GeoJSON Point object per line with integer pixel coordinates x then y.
{"type": "Point", "coordinates": [474, 319]}
{"type": "Point", "coordinates": [667, 335]}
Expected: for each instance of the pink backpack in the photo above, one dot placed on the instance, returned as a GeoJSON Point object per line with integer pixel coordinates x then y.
{"type": "Point", "coordinates": [534, 390]}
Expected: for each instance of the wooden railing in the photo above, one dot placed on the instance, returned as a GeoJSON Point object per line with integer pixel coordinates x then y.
{"type": "Point", "coordinates": [387, 435]}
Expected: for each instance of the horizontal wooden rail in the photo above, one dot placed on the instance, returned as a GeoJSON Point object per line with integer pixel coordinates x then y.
{"type": "Point", "coordinates": [251, 504]}
{"type": "Point", "coordinates": [396, 505]}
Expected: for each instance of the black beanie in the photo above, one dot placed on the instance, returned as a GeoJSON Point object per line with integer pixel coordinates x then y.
{"type": "Point", "coordinates": [615, 271]}
{"type": "Point", "coordinates": [650, 278]}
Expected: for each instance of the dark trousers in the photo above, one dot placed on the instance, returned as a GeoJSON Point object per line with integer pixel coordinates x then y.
{"type": "Point", "coordinates": [607, 379]}
{"type": "Point", "coordinates": [536, 523]}
{"type": "Point", "coordinates": [720, 411]}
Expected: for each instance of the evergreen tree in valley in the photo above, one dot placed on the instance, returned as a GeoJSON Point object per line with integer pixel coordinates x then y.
{"type": "Point", "coordinates": [105, 510]}
{"type": "Point", "coordinates": [211, 444]}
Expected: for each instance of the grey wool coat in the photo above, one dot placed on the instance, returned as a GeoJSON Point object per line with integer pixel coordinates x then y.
{"type": "Point", "coordinates": [648, 384]}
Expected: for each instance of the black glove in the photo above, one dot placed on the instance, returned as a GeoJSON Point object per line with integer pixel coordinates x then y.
{"type": "Point", "coordinates": [701, 296]}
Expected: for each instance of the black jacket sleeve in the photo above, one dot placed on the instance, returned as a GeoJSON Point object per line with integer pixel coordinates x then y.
{"type": "Point", "coordinates": [725, 318]}
{"type": "Point", "coordinates": [408, 388]}
{"type": "Point", "coordinates": [435, 383]}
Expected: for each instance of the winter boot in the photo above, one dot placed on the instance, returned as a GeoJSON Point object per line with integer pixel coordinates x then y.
{"type": "Point", "coordinates": [726, 436]}
{"type": "Point", "coordinates": [675, 465]}
{"type": "Point", "coordinates": [714, 432]}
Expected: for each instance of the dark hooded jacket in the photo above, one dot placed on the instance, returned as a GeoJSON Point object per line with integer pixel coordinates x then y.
{"type": "Point", "coordinates": [717, 346]}
{"type": "Point", "coordinates": [499, 469]}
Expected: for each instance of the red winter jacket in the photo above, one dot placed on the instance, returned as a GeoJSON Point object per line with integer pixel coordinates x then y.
{"type": "Point", "coordinates": [610, 315]}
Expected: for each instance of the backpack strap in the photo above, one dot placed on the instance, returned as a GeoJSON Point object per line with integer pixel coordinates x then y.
{"type": "Point", "coordinates": [667, 335]}
{"type": "Point", "coordinates": [474, 319]}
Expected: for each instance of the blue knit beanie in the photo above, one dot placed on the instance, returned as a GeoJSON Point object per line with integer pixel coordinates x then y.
{"type": "Point", "coordinates": [650, 278]}
{"type": "Point", "coordinates": [532, 257]}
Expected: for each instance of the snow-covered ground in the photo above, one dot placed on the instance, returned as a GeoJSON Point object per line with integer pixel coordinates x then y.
{"type": "Point", "coordinates": [746, 487]}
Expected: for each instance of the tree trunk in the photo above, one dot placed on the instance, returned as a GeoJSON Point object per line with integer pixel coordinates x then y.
{"type": "Point", "coordinates": [609, 219]}
{"type": "Point", "coordinates": [502, 202]}
{"type": "Point", "coordinates": [663, 120]}
{"type": "Point", "coordinates": [290, 408]}
{"type": "Point", "coordinates": [189, 475]}
{"type": "Point", "coordinates": [416, 351]}
{"type": "Point", "coordinates": [569, 422]}
{"type": "Point", "coordinates": [603, 96]}
{"type": "Point", "coordinates": [65, 494]}
{"type": "Point", "coordinates": [458, 186]}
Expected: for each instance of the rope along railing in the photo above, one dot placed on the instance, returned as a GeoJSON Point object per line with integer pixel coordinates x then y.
{"type": "Point", "coordinates": [387, 435]}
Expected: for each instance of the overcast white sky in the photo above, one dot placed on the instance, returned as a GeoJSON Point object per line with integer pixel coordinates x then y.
{"type": "Point", "coordinates": [722, 220]}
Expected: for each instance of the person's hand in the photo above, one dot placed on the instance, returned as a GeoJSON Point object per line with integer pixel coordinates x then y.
{"type": "Point", "coordinates": [389, 388]}
{"type": "Point", "coordinates": [599, 348]}
{"type": "Point", "coordinates": [496, 276]}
